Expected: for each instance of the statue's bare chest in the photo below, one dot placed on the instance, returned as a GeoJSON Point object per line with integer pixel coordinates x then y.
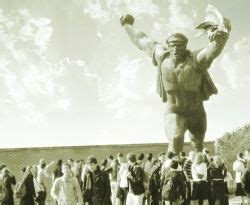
{"type": "Point", "coordinates": [182, 76]}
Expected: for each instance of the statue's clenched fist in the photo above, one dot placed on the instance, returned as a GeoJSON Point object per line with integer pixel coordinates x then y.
{"type": "Point", "coordinates": [127, 19]}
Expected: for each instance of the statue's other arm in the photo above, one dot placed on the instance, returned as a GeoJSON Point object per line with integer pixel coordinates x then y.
{"type": "Point", "coordinates": [217, 42]}
{"type": "Point", "coordinates": [140, 39]}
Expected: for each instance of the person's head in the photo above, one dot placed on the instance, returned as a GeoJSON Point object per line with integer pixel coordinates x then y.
{"type": "Point", "coordinates": [59, 163]}
{"type": "Point", "coordinates": [92, 163]}
{"type": "Point", "coordinates": [217, 160]}
{"type": "Point", "coordinates": [205, 151]}
{"type": "Point", "coordinates": [5, 171]}
{"type": "Point", "coordinates": [42, 165]}
{"type": "Point", "coordinates": [173, 164]}
{"type": "Point", "coordinates": [149, 156]}
{"type": "Point", "coordinates": [2, 166]}
{"type": "Point", "coordinates": [156, 163]}
{"type": "Point", "coordinates": [240, 155]}
{"type": "Point", "coordinates": [140, 157]}
{"type": "Point", "coordinates": [131, 158]}
{"type": "Point", "coordinates": [110, 158]}
{"type": "Point", "coordinates": [66, 169]}
{"type": "Point", "coordinates": [199, 158]}
{"type": "Point", "coordinates": [170, 155]}
{"type": "Point", "coordinates": [120, 157]}
{"type": "Point", "coordinates": [177, 45]}
{"type": "Point", "coordinates": [104, 162]}
{"type": "Point", "coordinates": [182, 154]}
{"type": "Point", "coordinates": [162, 157]}
{"type": "Point", "coordinates": [70, 161]}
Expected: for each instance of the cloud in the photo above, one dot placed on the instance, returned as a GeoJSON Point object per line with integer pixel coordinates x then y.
{"type": "Point", "coordinates": [178, 19]}
{"type": "Point", "coordinates": [234, 63]}
{"type": "Point", "coordinates": [104, 11]}
{"type": "Point", "coordinates": [32, 86]}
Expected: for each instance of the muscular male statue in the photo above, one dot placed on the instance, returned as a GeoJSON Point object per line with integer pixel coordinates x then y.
{"type": "Point", "coordinates": [183, 82]}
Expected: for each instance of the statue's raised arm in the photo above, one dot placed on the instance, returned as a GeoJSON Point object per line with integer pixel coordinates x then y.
{"type": "Point", "coordinates": [139, 39]}
{"type": "Point", "coordinates": [217, 29]}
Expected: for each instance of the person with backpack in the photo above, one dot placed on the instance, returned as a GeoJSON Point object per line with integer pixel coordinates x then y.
{"type": "Point", "coordinates": [96, 185]}
{"type": "Point", "coordinates": [173, 185]}
{"type": "Point", "coordinates": [154, 186]}
{"type": "Point", "coordinates": [135, 177]}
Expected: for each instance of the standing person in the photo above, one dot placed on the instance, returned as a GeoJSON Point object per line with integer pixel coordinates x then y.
{"type": "Point", "coordinates": [96, 185]}
{"type": "Point", "coordinates": [40, 184]}
{"type": "Point", "coordinates": [122, 189]}
{"type": "Point", "coordinates": [173, 185]}
{"type": "Point", "coordinates": [200, 187]}
{"type": "Point", "coordinates": [57, 173]}
{"type": "Point", "coordinates": [66, 189]}
{"type": "Point", "coordinates": [217, 173]}
{"type": "Point", "coordinates": [135, 182]}
{"type": "Point", "coordinates": [246, 181]}
{"type": "Point", "coordinates": [239, 166]}
{"type": "Point", "coordinates": [113, 179]}
{"type": "Point", "coordinates": [29, 198]}
{"type": "Point", "coordinates": [155, 183]}
{"type": "Point", "coordinates": [9, 180]}
{"type": "Point", "coordinates": [187, 170]}
{"type": "Point", "coordinates": [148, 166]}
{"type": "Point", "coordinates": [182, 158]}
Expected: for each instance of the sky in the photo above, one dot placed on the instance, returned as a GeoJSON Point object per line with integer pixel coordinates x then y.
{"type": "Point", "coordinates": [69, 74]}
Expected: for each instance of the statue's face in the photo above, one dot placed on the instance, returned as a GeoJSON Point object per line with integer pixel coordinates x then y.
{"type": "Point", "coordinates": [177, 50]}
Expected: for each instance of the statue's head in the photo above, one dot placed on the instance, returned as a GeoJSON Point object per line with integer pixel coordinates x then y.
{"type": "Point", "coordinates": [177, 45]}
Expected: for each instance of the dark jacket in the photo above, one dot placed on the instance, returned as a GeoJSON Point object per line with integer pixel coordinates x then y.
{"type": "Point", "coordinates": [155, 184]}
{"type": "Point", "coordinates": [178, 185]}
{"type": "Point", "coordinates": [96, 188]}
{"type": "Point", "coordinates": [28, 199]}
{"type": "Point", "coordinates": [8, 181]}
{"type": "Point", "coordinates": [136, 179]}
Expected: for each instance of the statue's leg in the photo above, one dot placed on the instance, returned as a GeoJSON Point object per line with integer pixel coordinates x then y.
{"type": "Point", "coordinates": [197, 126]}
{"type": "Point", "coordinates": [175, 128]}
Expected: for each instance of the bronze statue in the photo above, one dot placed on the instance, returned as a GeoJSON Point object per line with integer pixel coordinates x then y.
{"type": "Point", "coordinates": [183, 81]}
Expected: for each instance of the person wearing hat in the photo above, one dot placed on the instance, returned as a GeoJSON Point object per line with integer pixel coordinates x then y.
{"type": "Point", "coordinates": [183, 81]}
{"type": "Point", "coordinates": [96, 185]}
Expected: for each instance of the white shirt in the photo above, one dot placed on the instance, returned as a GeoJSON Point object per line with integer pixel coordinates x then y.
{"type": "Point", "coordinates": [239, 168]}
{"type": "Point", "coordinates": [200, 169]}
{"type": "Point", "coordinates": [123, 173]}
{"type": "Point", "coordinates": [67, 191]}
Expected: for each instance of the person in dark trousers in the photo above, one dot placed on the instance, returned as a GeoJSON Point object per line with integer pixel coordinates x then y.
{"type": "Point", "coordinates": [155, 183]}
{"type": "Point", "coordinates": [173, 185]}
{"type": "Point", "coordinates": [96, 185]}
{"type": "Point", "coordinates": [9, 179]}
{"type": "Point", "coordinates": [216, 174]}
{"type": "Point", "coordinates": [30, 195]}
{"type": "Point", "coordinates": [135, 177]}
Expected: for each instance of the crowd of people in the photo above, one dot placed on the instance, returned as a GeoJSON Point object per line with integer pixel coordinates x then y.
{"type": "Point", "coordinates": [141, 179]}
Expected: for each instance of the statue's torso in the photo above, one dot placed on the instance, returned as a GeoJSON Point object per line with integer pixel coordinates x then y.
{"type": "Point", "coordinates": [182, 83]}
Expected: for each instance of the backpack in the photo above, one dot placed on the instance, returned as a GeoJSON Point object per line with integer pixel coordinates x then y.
{"type": "Point", "coordinates": [3, 190]}
{"type": "Point", "coordinates": [20, 190]}
{"type": "Point", "coordinates": [169, 190]}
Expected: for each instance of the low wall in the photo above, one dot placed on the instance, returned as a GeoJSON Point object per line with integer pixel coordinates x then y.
{"type": "Point", "coordinates": [17, 158]}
